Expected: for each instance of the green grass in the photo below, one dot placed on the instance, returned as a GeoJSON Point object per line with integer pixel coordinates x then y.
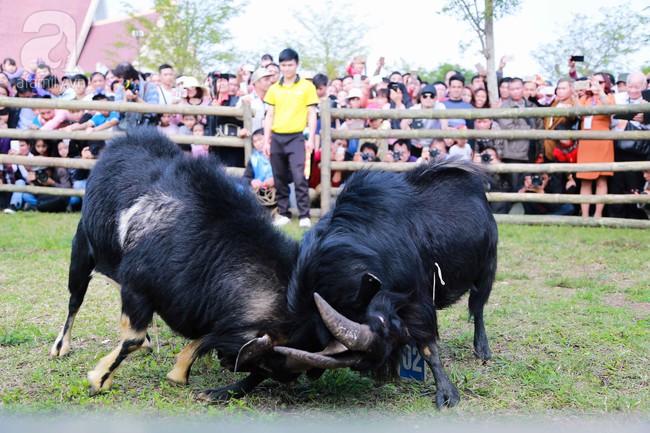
{"type": "Point", "coordinates": [568, 322]}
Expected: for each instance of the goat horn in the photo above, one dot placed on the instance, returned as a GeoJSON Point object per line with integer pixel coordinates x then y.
{"type": "Point", "coordinates": [314, 360]}
{"type": "Point", "coordinates": [251, 348]}
{"type": "Point", "coordinates": [353, 335]}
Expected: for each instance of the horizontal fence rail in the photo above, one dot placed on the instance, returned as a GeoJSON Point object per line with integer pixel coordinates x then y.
{"type": "Point", "coordinates": [484, 113]}
{"type": "Point", "coordinates": [504, 134]}
{"type": "Point", "coordinates": [134, 107]}
{"type": "Point", "coordinates": [244, 112]}
{"type": "Point", "coordinates": [61, 134]}
{"type": "Point", "coordinates": [503, 167]}
{"type": "Point", "coordinates": [328, 135]}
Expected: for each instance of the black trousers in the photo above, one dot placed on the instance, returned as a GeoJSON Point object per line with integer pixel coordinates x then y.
{"type": "Point", "coordinates": [623, 182]}
{"type": "Point", "coordinates": [288, 163]}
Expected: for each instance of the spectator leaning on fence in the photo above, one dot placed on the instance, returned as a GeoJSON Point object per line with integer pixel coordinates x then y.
{"type": "Point", "coordinates": [518, 151]}
{"type": "Point", "coordinates": [132, 87]}
{"type": "Point", "coordinates": [52, 84]}
{"type": "Point", "coordinates": [428, 100]}
{"type": "Point", "coordinates": [456, 86]}
{"type": "Point", "coordinates": [624, 182]}
{"type": "Point", "coordinates": [17, 174]}
{"type": "Point", "coordinates": [563, 99]}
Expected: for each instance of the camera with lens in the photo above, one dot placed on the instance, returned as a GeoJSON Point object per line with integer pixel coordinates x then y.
{"type": "Point", "coordinates": [486, 158]}
{"type": "Point", "coordinates": [397, 155]}
{"type": "Point", "coordinates": [536, 180]}
{"type": "Point", "coordinates": [434, 152]}
{"type": "Point", "coordinates": [131, 85]}
{"type": "Point", "coordinates": [41, 175]}
{"type": "Point", "coordinates": [367, 156]}
{"type": "Point", "coordinates": [417, 124]}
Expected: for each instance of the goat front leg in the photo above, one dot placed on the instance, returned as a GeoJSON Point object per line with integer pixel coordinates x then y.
{"type": "Point", "coordinates": [447, 394]}
{"type": "Point", "coordinates": [131, 340]}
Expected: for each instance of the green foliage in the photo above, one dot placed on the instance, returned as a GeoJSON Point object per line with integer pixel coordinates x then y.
{"type": "Point", "coordinates": [439, 73]}
{"type": "Point", "coordinates": [605, 43]}
{"type": "Point", "coordinates": [330, 36]}
{"type": "Point", "coordinates": [189, 34]}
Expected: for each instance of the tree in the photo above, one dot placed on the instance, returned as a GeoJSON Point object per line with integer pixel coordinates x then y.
{"type": "Point", "coordinates": [331, 36]}
{"type": "Point", "coordinates": [481, 14]}
{"type": "Point", "coordinates": [605, 43]}
{"type": "Point", "coordinates": [185, 34]}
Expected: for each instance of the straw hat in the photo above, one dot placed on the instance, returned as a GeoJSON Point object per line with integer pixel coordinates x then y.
{"type": "Point", "coordinates": [189, 82]}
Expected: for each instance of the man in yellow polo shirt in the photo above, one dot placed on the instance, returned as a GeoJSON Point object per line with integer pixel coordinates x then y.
{"type": "Point", "coordinates": [292, 106]}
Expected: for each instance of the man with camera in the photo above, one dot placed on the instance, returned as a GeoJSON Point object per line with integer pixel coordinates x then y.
{"type": "Point", "coordinates": [401, 152]}
{"type": "Point", "coordinates": [544, 183]}
{"type": "Point", "coordinates": [496, 182]}
{"type": "Point", "coordinates": [132, 87]}
{"type": "Point", "coordinates": [428, 101]}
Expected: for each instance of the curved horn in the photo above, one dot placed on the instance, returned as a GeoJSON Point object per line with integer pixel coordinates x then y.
{"type": "Point", "coordinates": [251, 348]}
{"type": "Point", "coordinates": [310, 360]}
{"type": "Point", "coordinates": [353, 335]}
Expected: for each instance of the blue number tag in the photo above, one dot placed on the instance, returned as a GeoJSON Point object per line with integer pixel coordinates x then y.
{"type": "Point", "coordinates": [411, 364]}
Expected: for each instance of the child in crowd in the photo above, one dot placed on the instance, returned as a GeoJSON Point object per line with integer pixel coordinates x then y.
{"type": "Point", "coordinates": [461, 147]}
{"type": "Point", "coordinates": [198, 150]}
{"type": "Point", "coordinates": [258, 174]}
{"type": "Point", "coordinates": [188, 122]}
{"type": "Point", "coordinates": [166, 126]}
{"type": "Point", "coordinates": [101, 120]}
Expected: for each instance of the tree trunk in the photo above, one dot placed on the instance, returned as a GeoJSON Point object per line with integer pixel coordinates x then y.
{"type": "Point", "coordinates": [492, 87]}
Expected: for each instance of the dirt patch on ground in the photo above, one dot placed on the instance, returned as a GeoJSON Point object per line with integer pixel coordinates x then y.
{"type": "Point", "coordinates": [620, 300]}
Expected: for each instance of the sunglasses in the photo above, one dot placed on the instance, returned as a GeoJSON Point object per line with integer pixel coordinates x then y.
{"type": "Point", "coordinates": [428, 95]}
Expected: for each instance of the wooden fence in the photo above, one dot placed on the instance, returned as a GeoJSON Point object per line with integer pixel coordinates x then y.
{"type": "Point", "coordinates": [328, 135]}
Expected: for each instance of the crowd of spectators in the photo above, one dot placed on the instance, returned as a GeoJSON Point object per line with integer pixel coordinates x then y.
{"type": "Point", "coordinates": [360, 88]}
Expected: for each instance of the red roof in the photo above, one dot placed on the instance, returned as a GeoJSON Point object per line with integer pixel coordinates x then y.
{"type": "Point", "coordinates": [99, 49]}
{"type": "Point", "coordinates": [32, 31]}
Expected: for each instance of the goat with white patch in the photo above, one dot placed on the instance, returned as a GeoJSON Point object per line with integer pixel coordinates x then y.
{"type": "Point", "coordinates": [184, 241]}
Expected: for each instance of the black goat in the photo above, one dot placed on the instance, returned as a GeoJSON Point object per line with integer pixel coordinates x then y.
{"type": "Point", "coordinates": [183, 240]}
{"type": "Point", "coordinates": [394, 249]}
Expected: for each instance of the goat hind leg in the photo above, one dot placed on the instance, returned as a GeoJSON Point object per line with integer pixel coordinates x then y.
{"type": "Point", "coordinates": [79, 275]}
{"type": "Point", "coordinates": [183, 363]}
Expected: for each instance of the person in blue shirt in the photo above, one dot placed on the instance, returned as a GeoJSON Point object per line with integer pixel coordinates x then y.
{"type": "Point", "coordinates": [258, 173]}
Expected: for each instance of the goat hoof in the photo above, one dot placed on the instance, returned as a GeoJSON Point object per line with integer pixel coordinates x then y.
{"type": "Point", "coordinates": [447, 398]}
{"type": "Point", "coordinates": [96, 385]}
{"type": "Point", "coordinates": [214, 395]}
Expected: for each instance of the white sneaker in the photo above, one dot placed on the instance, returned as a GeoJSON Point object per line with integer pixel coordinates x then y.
{"type": "Point", "coordinates": [281, 221]}
{"type": "Point", "coordinates": [304, 223]}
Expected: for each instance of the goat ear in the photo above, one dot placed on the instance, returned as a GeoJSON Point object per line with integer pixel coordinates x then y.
{"type": "Point", "coordinates": [368, 288]}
